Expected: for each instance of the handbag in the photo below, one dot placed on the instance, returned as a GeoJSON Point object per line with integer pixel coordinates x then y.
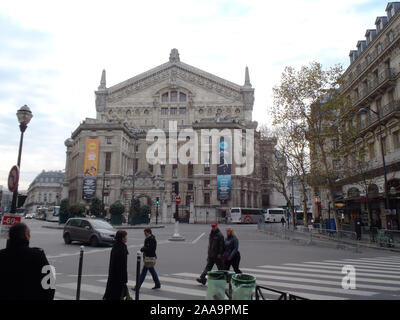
{"type": "Point", "coordinates": [149, 262]}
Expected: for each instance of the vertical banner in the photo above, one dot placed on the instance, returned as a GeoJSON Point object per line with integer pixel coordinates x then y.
{"type": "Point", "coordinates": [224, 170]}
{"type": "Point", "coordinates": [90, 168]}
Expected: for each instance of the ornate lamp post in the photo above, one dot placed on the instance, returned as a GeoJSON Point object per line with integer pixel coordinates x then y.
{"type": "Point", "coordinates": [24, 116]}
{"type": "Point", "coordinates": [134, 133]}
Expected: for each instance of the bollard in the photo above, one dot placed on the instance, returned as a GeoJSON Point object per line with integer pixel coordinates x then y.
{"type": "Point", "coordinates": [139, 254]}
{"type": "Point", "coordinates": [78, 289]}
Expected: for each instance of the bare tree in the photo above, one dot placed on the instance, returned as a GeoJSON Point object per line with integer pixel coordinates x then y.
{"type": "Point", "coordinates": [308, 101]}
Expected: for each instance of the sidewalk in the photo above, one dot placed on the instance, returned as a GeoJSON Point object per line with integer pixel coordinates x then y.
{"type": "Point", "coordinates": [55, 225]}
{"type": "Point", "coordinates": [307, 238]}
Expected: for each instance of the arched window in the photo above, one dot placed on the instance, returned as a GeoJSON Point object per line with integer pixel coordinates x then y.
{"type": "Point", "coordinates": [173, 96]}
{"type": "Point", "coordinates": [164, 97]}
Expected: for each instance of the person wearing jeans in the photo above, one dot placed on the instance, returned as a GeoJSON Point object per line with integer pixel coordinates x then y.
{"type": "Point", "coordinates": [149, 250]}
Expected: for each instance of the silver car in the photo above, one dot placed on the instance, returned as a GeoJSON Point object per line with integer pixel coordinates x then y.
{"type": "Point", "coordinates": [92, 231]}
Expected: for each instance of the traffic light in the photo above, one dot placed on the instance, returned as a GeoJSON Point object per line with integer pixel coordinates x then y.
{"type": "Point", "coordinates": [157, 200]}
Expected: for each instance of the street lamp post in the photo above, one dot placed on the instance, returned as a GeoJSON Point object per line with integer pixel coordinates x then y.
{"type": "Point", "coordinates": [131, 211]}
{"type": "Point", "coordinates": [24, 116]}
{"type": "Point", "coordinates": [363, 111]}
{"type": "Point", "coordinates": [294, 215]}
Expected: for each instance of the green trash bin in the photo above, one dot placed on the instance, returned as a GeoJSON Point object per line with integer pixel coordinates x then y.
{"type": "Point", "coordinates": [243, 286]}
{"type": "Point", "coordinates": [217, 282]}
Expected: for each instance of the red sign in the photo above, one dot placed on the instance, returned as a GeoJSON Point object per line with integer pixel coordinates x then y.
{"type": "Point", "coordinates": [178, 199]}
{"type": "Point", "coordinates": [11, 220]}
{"type": "Point", "coordinates": [7, 223]}
{"type": "Point", "coordinates": [13, 178]}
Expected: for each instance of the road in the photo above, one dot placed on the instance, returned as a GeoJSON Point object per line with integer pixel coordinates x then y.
{"type": "Point", "coordinates": [309, 271]}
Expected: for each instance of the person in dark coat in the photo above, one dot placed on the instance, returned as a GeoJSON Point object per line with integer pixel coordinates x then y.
{"type": "Point", "coordinates": [231, 253]}
{"type": "Point", "coordinates": [283, 221]}
{"type": "Point", "coordinates": [116, 288]}
{"type": "Point", "coordinates": [149, 250]}
{"type": "Point", "coordinates": [216, 248]}
{"type": "Point", "coordinates": [22, 269]}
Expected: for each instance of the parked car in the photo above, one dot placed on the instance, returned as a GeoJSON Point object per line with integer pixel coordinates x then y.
{"type": "Point", "coordinates": [92, 231]}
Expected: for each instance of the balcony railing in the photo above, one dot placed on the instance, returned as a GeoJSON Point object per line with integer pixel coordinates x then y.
{"type": "Point", "coordinates": [386, 110]}
{"type": "Point", "coordinates": [383, 78]}
{"type": "Point", "coordinates": [367, 63]}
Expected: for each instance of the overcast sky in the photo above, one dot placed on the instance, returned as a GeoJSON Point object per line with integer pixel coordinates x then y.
{"type": "Point", "coordinates": [52, 54]}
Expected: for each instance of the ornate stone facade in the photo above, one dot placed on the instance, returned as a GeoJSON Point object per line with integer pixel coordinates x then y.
{"type": "Point", "coordinates": [175, 93]}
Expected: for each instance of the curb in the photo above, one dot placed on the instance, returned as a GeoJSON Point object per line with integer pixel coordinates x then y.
{"type": "Point", "coordinates": [58, 227]}
{"type": "Point", "coordinates": [326, 243]}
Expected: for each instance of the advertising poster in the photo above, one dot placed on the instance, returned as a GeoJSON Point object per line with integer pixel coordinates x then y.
{"type": "Point", "coordinates": [224, 170]}
{"type": "Point", "coordinates": [90, 168]}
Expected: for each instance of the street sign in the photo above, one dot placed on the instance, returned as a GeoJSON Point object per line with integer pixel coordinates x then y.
{"type": "Point", "coordinates": [13, 178]}
{"type": "Point", "coordinates": [6, 223]}
{"type": "Point", "coordinates": [178, 199]}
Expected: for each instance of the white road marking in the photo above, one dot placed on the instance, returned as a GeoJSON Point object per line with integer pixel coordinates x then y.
{"type": "Point", "coordinates": [198, 238]}
{"type": "Point", "coordinates": [301, 294]}
{"type": "Point", "coordinates": [359, 267]}
{"type": "Point", "coordinates": [336, 271]}
{"type": "Point", "coordinates": [313, 274]}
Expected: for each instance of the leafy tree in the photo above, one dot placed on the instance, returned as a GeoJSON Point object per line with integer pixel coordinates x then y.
{"type": "Point", "coordinates": [77, 209]}
{"type": "Point", "coordinates": [96, 207]}
{"type": "Point", "coordinates": [117, 208]}
{"type": "Point", "coordinates": [64, 210]}
{"type": "Point", "coordinates": [145, 211]}
{"type": "Point", "coordinates": [136, 208]}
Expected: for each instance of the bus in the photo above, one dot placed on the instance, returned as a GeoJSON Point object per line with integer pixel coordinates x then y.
{"type": "Point", "coordinates": [274, 214]}
{"type": "Point", "coordinates": [53, 214]}
{"type": "Point", "coordinates": [245, 215]}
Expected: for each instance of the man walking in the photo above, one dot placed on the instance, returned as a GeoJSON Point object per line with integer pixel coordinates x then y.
{"type": "Point", "coordinates": [215, 252]}
{"type": "Point", "coordinates": [22, 268]}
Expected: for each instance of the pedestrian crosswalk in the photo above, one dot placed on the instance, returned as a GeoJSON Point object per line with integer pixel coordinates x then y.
{"type": "Point", "coordinates": [375, 278]}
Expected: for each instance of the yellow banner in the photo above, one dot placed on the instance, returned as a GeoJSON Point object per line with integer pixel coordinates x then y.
{"type": "Point", "coordinates": [91, 157]}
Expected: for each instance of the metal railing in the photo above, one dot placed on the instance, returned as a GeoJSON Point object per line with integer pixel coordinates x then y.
{"type": "Point", "coordinates": [381, 78]}
{"type": "Point", "coordinates": [384, 237]}
{"type": "Point", "coordinates": [282, 295]}
{"type": "Point", "coordinates": [389, 108]}
{"type": "Point", "coordinates": [311, 234]}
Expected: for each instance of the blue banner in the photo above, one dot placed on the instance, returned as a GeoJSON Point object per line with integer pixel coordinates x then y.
{"type": "Point", "coordinates": [224, 178]}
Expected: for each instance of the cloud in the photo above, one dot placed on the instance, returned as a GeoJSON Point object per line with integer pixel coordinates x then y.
{"type": "Point", "coordinates": [52, 59]}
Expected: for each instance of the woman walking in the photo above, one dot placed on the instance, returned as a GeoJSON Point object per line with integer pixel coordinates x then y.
{"type": "Point", "coordinates": [232, 254]}
{"type": "Point", "coordinates": [118, 271]}
{"type": "Point", "coordinates": [149, 259]}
